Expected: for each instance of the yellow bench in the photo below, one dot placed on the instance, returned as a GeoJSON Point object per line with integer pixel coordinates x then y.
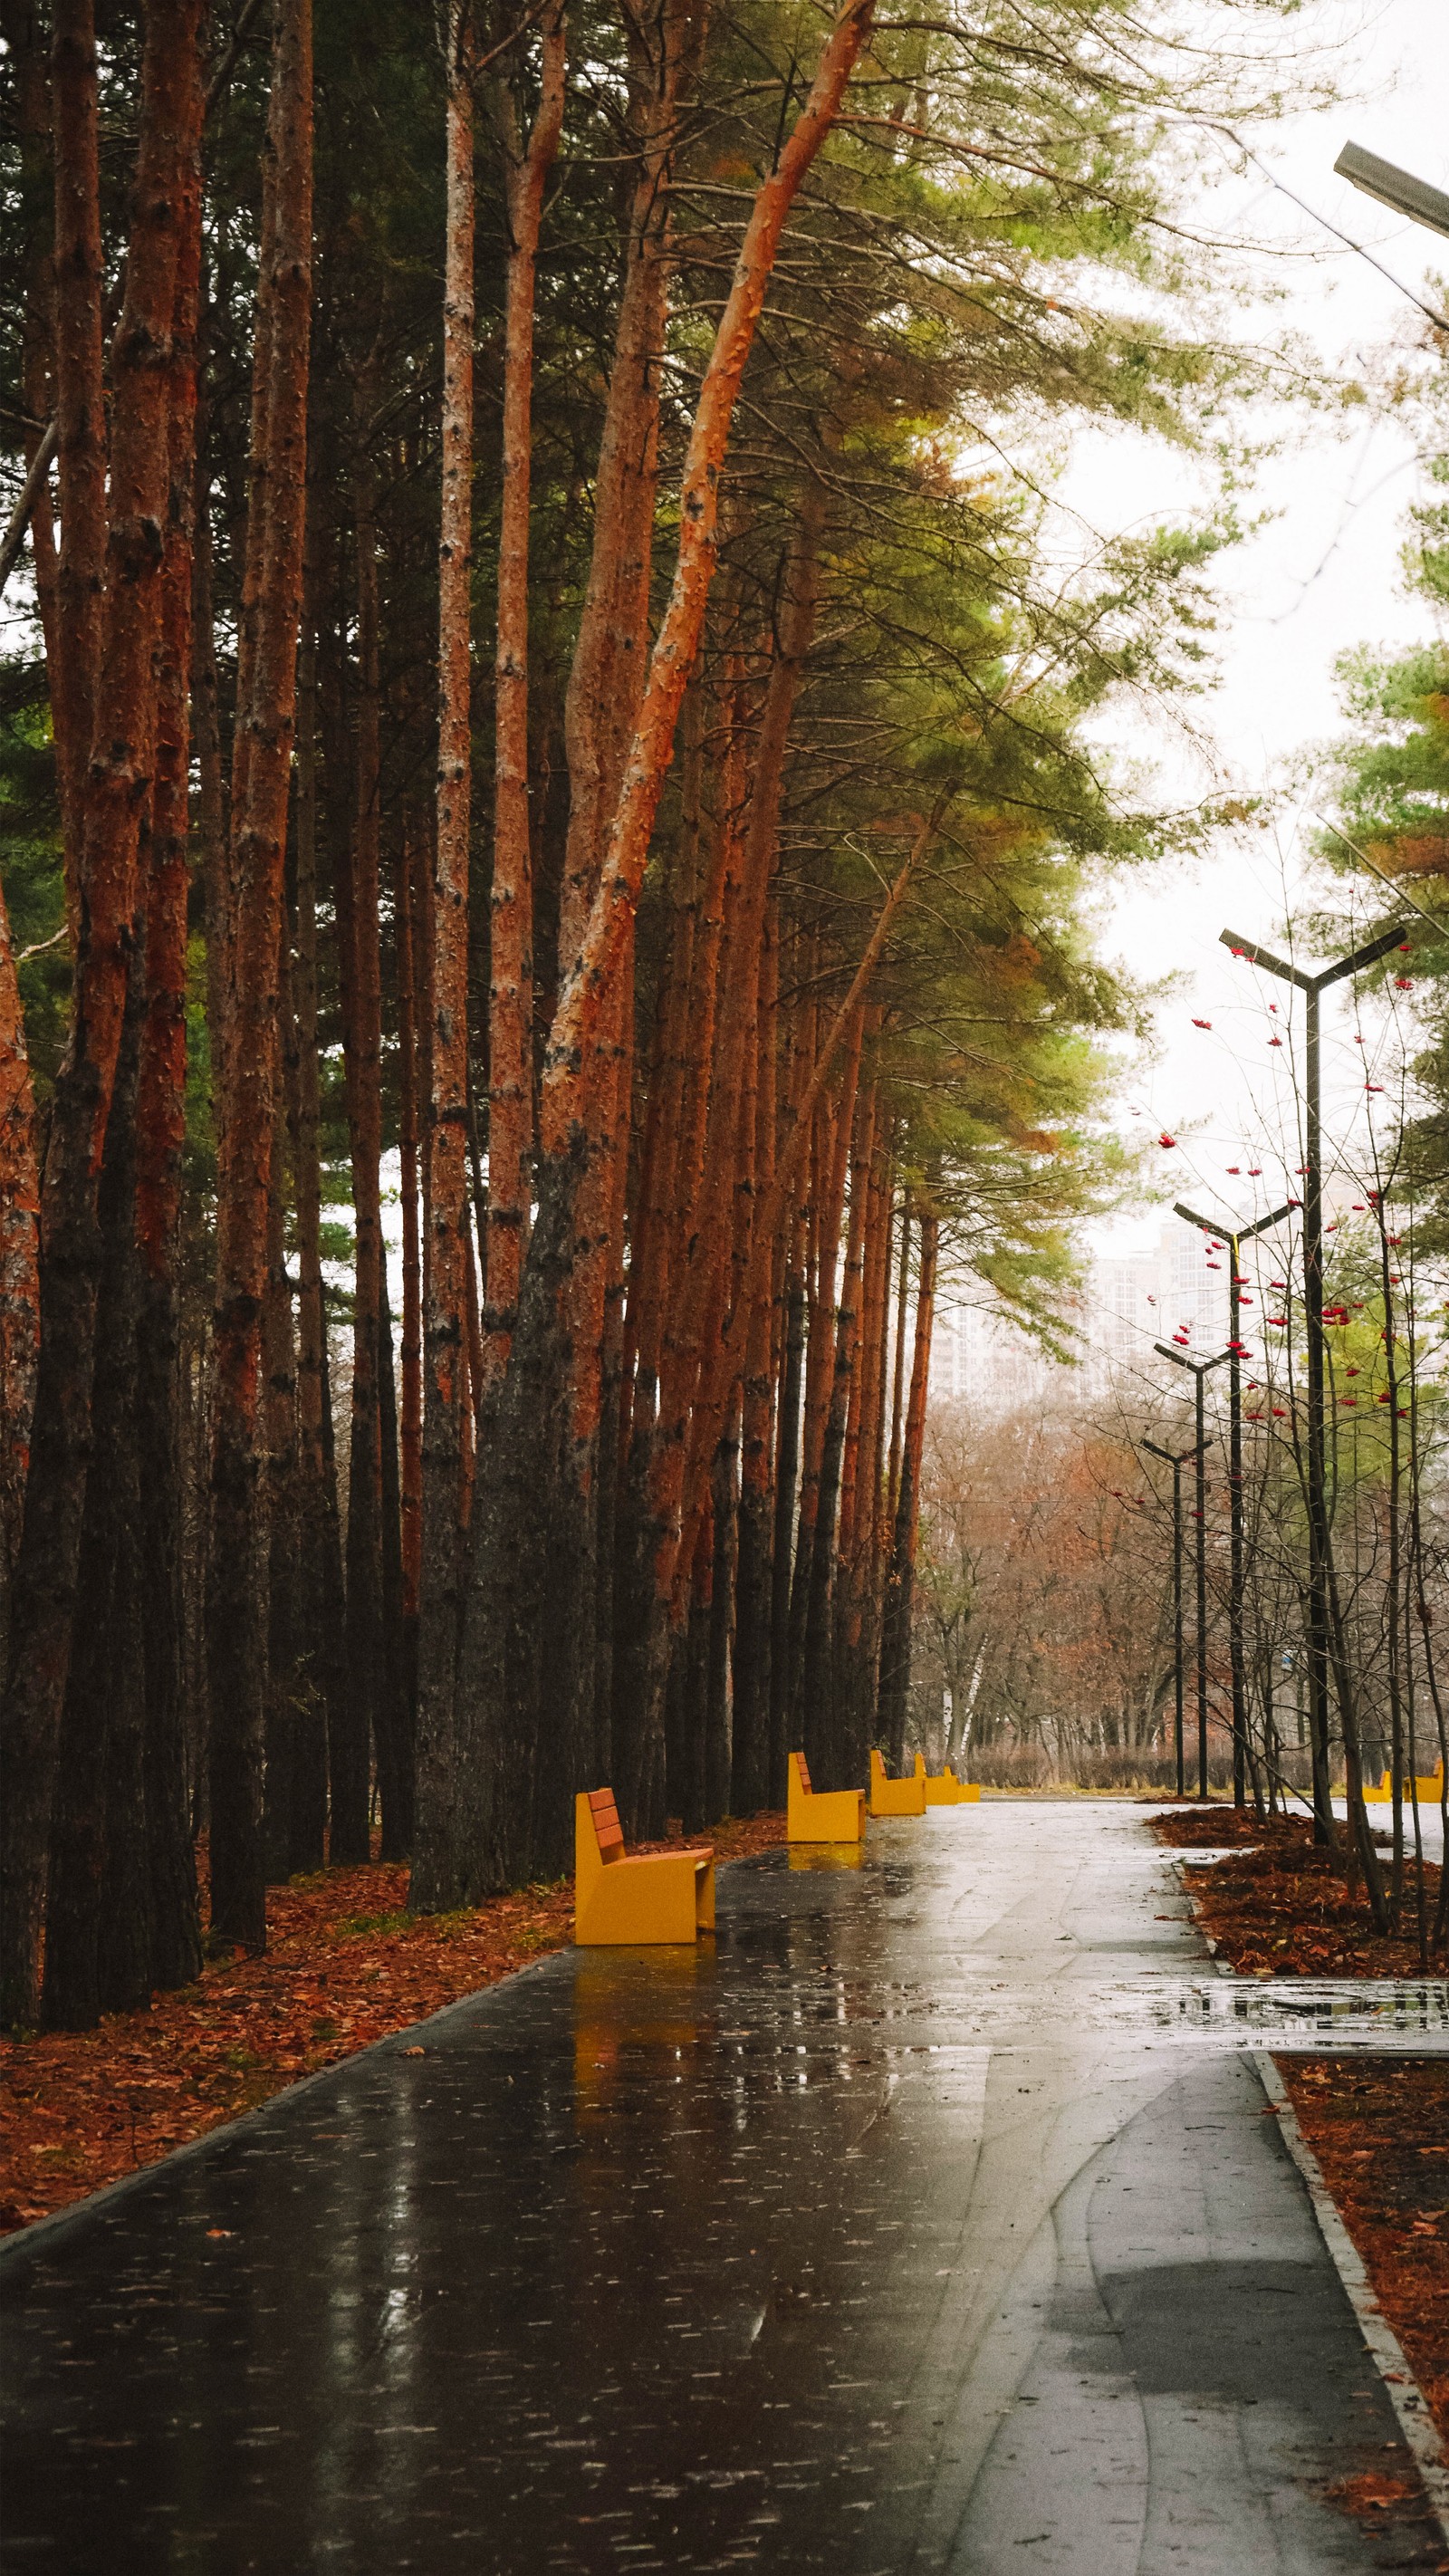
{"type": "Point", "coordinates": [945, 1790]}
{"type": "Point", "coordinates": [649, 1896]}
{"type": "Point", "coordinates": [894, 1797]}
{"type": "Point", "coordinates": [822, 1815]}
{"type": "Point", "coordinates": [1429, 1791]}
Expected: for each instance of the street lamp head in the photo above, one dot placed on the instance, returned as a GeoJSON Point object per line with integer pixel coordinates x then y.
{"type": "Point", "coordinates": [1394, 187]}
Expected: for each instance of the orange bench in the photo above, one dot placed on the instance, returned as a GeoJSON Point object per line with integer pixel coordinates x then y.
{"type": "Point", "coordinates": [945, 1790]}
{"type": "Point", "coordinates": [822, 1815]}
{"type": "Point", "coordinates": [894, 1797]}
{"type": "Point", "coordinates": [649, 1896]}
{"type": "Point", "coordinates": [1427, 1790]}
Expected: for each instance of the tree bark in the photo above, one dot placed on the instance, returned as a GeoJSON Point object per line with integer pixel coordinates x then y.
{"type": "Point", "coordinates": [360, 980]}
{"type": "Point", "coordinates": [529, 1519]}
{"type": "Point", "coordinates": [320, 1679]}
{"type": "Point", "coordinates": [109, 675]}
{"type": "Point", "coordinates": [19, 1267]}
{"type": "Point", "coordinates": [819, 1375]}
{"type": "Point", "coordinates": [822, 1686]}
{"type": "Point", "coordinates": [510, 992]}
{"type": "Point", "coordinates": [895, 1674]}
{"type": "Point", "coordinates": [437, 1868]}
{"type": "Point", "coordinates": [261, 767]}
{"type": "Point", "coordinates": [160, 1146]}
{"type": "Point", "coordinates": [411, 1414]}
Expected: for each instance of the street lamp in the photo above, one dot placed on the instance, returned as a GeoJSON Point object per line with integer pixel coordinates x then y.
{"type": "Point", "coordinates": [1312, 986]}
{"type": "Point", "coordinates": [1233, 1236]}
{"type": "Point", "coordinates": [1176, 1460]}
{"type": "Point", "coordinates": [1199, 1370]}
{"type": "Point", "coordinates": [1394, 187]}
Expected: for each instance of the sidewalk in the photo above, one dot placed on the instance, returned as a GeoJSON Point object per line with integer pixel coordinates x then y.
{"type": "Point", "coordinates": [930, 2222]}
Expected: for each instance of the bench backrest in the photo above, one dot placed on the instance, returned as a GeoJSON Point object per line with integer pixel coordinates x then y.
{"type": "Point", "coordinates": [608, 1832]}
{"type": "Point", "coordinates": [804, 1772]}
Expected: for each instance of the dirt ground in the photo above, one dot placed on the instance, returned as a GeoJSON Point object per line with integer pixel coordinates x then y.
{"type": "Point", "coordinates": [346, 1964]}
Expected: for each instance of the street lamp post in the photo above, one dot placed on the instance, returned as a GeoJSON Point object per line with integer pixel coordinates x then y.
{"type": "Point", "coordinates": [1176, 1460]}
{"type": "Point", "coordinates": [1199, 1370]}
{"type": "Point", "coordinates": [1312, 987]}
{"type": "Point", "coordinates": [1234, 1236]}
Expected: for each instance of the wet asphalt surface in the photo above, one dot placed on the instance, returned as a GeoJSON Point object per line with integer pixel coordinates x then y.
{"type": "Point", "coordinates": [929, 2219]}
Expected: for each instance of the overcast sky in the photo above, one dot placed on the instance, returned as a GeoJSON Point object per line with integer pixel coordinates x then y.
{"type": "Point", "coordinates": [1321, 577]}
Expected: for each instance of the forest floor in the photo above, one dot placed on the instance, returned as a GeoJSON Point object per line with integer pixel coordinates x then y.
{"type": "Point", "coordinates": [346, 1964]}
{"type": "Point", "coordinates": [1379, 2126]}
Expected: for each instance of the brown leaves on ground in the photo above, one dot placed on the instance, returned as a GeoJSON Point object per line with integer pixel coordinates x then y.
{"type": "Point", "coordinates": [1281, 1907]}
{"type": "Point", "coordinates": [346, 1964]}
{"type": "Point", "coordinates": [1379, 2127]}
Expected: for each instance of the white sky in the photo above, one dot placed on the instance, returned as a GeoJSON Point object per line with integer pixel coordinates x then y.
{"type": "Point", "coordinates": [1321, 577]}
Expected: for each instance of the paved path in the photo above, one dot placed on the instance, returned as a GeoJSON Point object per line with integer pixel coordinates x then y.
{"type": "Point", "coordinates": [931, 2221]}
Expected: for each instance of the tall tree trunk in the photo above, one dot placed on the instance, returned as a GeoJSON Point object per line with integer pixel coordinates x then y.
{"type": "Point", "coordinates": [606, 679]}
{"type": "Point", "coordinates": [261, 766]}
{"type": "Point", "coordinates": [79, 289]}
{"type": "Point", "coordinates": [320, 1679]}
{"type": "Point", "coordinates": [723, 1526]}
{"type": "Point", "coordinates": [279, 1419]}
{"type": "Point", "coordinates": [750, 1750]}
{"type": "Point", "coordinates": [360, 978]}
{"type": "Point", "coordinates": [160, 1146]}
{"type": "Point", "coordinates": [895, 1659]}
{"type": "Point", "coordinates": [100, 1727]}
{"type": "Point", "coordinates": [856, 1636]}
{"type": "Point", "coordinates": [822, 1691]}
{"type": "Point", "coordinates": [19, 1267]}
{"type": "Point", "coordinates": [396, 1743]}
{"type": "Point", "coordinates": [534, 1495]}
{"type": "Point", "coordinates": [510, 993]}
{"type": "Point", "coordinates": [110, 590]}
{"type": "Point", "coordinates": [437, 1866]}
{"type": "Point", "coordinates": [411, 1355]}
{"type": "Point", "coordinates": [819, 1377]}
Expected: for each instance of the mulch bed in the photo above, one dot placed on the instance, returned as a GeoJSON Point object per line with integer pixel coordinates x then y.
{"type": "Point", "coordinates": [1379, 2127]}
{"type": "Point", "coordinates": [346, 1964]}
{"type": "Point", "coordinates": [1282, 1908]}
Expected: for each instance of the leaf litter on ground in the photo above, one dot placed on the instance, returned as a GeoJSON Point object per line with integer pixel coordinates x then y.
{"type": "Point", "coordinates": [346, 1964]}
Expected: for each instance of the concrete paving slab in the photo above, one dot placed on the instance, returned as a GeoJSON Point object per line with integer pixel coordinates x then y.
{"type": "Point", "coordinates": [928, 2220]}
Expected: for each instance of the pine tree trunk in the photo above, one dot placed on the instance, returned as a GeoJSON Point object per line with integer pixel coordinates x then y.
{"type": "Point", "coordinates": [811, 1716]}
{"type": "Point", "coordinates": [261, 768]}
{"type": "Point", "coordinates": [529, 1525]}
{"type": "Point", "coordinates": [895, 1674]}
{"type": "Point", "coordinates": [750, 1748]}
{"type": "Point", "coordinates": [437, 1868]}
{"type": "Point", "coordinates": [856, 1635]}
{"type": "Point", "coordinates": [279, 1417]}
{"type": "Point", "coordinates": [360, 979]}
{"type": "Point", "coordinates": [510, 993]}
{"type": "Point", "coordinates": [320, 1678]}
{"type": "Point", "coordinates": [822, 1685]}
{"type": "Point", "coordinates": [724, 1532]}
{"type": "Point", "coordinates": [160, 1145]}
{"type": "Point", "coordinates": [396, 1752]}
{"type": "Point", "coordinates": [100, 1727]}
{"type": "Point", "coordinates": [19, 1267]}
{"type": "Point", "coordinates": [411, 1355]}
{"type": "Point", "coordinates": [110, 602]}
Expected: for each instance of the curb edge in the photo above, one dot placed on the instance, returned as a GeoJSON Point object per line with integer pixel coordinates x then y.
{"type": "Point", "coordinates": [1407, 2398]}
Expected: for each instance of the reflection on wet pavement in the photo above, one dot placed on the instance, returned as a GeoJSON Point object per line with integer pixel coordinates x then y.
{"type": "Point", "coordinates": [927, 2220]}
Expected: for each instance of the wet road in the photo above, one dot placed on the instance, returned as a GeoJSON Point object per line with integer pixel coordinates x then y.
{"type": "Point", "coordinates": [929, 2220]}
